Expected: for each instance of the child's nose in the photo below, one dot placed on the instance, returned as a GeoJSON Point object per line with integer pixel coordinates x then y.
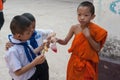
{"type": "Point", "coordinates": [82, 17]}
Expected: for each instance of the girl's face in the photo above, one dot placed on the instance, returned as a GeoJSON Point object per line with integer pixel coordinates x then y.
{"type": "Point", "coordinates": [84, 15]}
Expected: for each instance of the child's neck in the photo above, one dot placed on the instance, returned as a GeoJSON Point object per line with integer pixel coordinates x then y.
{"type": "Point", "coordinates": [84, 26]}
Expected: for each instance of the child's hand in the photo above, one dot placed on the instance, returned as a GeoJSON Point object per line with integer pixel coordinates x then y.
{"type": "Point", "coordinates": [86, 32]}
{"type": "Point", "coordinates": [45, 46]}
{"type": "Point", "coordinates": [53, 34]}
{"type": "Point", "coordinates": [8, 45]}
{"type": "Point", "coordinates": [54, 40]}
{"type": "Point", "coordinates": [39, 60]}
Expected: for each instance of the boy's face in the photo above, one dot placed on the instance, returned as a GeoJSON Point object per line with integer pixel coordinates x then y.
{"type": "Point", "coordinates": [26, 35]}
{"type": "Point", "coordinates": [84, 15]}
{"type": "Point", "coordinates": [33, 26]}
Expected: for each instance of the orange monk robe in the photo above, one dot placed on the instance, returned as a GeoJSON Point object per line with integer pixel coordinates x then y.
{"type": "Point", "coordinates": [1, 5]}
{"type": "Point", "coordinates": [83, 63]}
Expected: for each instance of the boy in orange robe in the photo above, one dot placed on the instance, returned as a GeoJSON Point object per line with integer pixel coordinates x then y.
{"type": "Point", "coordinates": [88, 41]}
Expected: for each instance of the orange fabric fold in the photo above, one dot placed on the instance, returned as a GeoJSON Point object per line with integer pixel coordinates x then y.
{"type": "Point", "coordinates": [1, 5]}
{"type": "Point", "coordinates": [84, 59]}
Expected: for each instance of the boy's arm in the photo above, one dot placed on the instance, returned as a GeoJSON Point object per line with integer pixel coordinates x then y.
{"type": "Point", "coordinates": [43, 47]}
{"type": "Point", "coordinates": [95, 45]}
{"type": "Point", "coordinates": [38, 49]}
{"type": "Point", "coordinates": [67, 38]}
{"type": "Point", "coordinates": [38, 60]}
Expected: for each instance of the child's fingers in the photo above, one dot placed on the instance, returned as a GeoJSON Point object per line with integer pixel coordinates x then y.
{"type": "Point", "coordinates": [8, 45]}
{"type": "Point", "coordinates": [53, 34]}
{"type": "Point", "coordinates": [41, 58]}
{"type": "Point", "coordinates": [53, 39]}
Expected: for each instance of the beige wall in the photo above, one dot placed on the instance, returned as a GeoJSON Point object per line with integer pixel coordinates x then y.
{"type": "Point", "coordinates": [106, 17]}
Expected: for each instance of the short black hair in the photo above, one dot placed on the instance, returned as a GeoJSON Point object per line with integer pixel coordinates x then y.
{"type": "Point", "coordinates": [29, 16]}
{"type": "Point", "coordinates": [89, 5]}
{"type": "Point", "coordinates": [19, 24]}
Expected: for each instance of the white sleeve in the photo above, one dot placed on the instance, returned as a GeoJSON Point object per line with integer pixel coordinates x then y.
{"type": "Point", "coordinates": [45, 32]}
{"type": "Point", "coordinates": [12, 61]}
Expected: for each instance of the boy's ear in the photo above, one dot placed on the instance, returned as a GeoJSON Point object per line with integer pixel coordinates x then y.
{"type": "Point", "coordinates": [18, 36]}
{"type": "Point", "coordinates": [93, 16]}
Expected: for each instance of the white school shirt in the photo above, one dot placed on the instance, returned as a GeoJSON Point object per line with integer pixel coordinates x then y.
{"type": "Point", "coordinates": [15, 59]}
{"type": "Point", "coordinates": [41, 35]}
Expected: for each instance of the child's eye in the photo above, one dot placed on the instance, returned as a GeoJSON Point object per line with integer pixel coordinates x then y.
{"type": "Point", "coordinates": [79, 14]}
{"type": "Point", "coordinates": [86, 15]}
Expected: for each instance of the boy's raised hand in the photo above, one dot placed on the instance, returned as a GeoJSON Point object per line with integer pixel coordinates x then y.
{"type": "Point", "coordinates": [86, 32]}
{"type": "Point", "coordinates": [39, 60]}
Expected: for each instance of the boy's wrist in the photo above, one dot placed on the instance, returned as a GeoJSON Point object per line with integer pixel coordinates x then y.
{"type": "Point", "coordinates": [33, 63]}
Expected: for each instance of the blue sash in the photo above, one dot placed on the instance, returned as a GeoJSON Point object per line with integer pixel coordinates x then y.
{"type": "Point", "coordinates": [33, 42]}
{"type": "Point", "coordinates": [29, 53]}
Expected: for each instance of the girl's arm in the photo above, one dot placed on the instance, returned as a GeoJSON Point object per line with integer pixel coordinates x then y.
{"type": "Point", "coordinates": [95, 45]}
{"type": "Point", "coordinates": [67, 38]}
{"type": "Point", "coordinates": [38, 60]}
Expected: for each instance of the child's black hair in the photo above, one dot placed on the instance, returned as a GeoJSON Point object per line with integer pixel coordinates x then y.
{"type": "Point", "coordinates": [29, 16]}
{"type": "Point", "coordinates": [19, 24]}
{"type": "Point", "coordinates": [89, 5]}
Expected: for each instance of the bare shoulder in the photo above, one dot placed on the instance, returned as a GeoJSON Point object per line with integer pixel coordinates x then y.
{"type": "Point", "coordinates": [74, 26]}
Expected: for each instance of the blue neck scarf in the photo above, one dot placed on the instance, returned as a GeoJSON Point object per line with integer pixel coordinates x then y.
{"type": "Point", "coordinates": [33, 42]}
{"type": "Point", "coordinates": [29, 53]}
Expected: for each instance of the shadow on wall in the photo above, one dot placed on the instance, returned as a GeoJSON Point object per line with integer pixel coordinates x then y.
{"type": "Point", "coordinates": [111, 48]}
